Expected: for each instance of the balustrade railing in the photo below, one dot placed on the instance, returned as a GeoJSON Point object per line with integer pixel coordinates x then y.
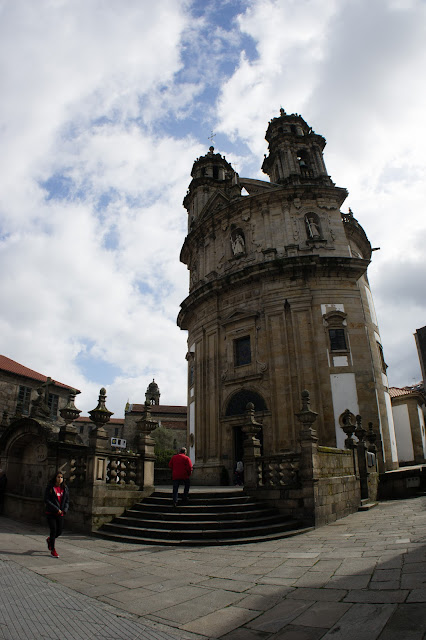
{"type": "Point", "coordinates": [122, 470]}
{"type": "Point", "coordinates": [278, 471]}
{"type": "Point", "coordinates": [77, 471]}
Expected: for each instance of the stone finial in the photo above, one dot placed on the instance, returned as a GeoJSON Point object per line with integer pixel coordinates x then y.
{"type": "Point", "coordinates": [100, 415]}
{"type": "Point", "coordinates": [371, 437]}
{"type": "Point", "coordinates": [69, 413]}
{"type": "Point", "coordinates": [348, 426]}
{"type": "Point", "coordinates": [250, 427]}
{"type": "Point", "coordinates": [39, 406]}
{"type": "Point", "coordinates": [307, 418]}
{"type": "Point", "coordinates": [359, 429]}
{"type": "Point", "coordinates": [146, 424]}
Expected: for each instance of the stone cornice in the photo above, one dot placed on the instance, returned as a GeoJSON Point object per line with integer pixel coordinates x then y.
{"type": "Point", "coordinates": [299, 267]}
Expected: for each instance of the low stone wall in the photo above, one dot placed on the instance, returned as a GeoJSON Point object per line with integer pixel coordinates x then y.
{"type": "Point", "coordinates": [337, 490]}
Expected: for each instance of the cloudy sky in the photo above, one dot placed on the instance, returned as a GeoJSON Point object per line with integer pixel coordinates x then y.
{"type": "Point", "coordinates": [105, 105]}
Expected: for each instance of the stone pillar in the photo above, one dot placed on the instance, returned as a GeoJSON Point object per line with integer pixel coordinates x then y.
{"type": "Point", "coordinates": [146, 446]}
{"type": "Point", "coordinates": [252, 475]}
{"type": "Point", "coordinates": [361, 449]}
{"type": "Point", "coordinates": [308, 443]}
{"type": "Point", "coordinates": [99, 440]}
{"type": "Point", "coordinates": [68, 433]}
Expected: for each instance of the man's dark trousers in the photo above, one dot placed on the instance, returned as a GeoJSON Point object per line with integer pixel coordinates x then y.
{"type": "Point", "coordinates": [176, 484]}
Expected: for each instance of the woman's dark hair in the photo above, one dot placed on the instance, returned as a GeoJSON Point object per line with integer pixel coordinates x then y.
{"type": "Point", "coordinates": [52, 480]}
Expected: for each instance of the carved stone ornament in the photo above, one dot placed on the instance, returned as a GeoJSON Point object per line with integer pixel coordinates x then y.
{"type": "Point", "coordinates": [246, 216]}
{"type": "Point", "coordinates": [326, 204]}
{"type": "Point", "coordinates": [297, 203]}
{"type": "Point", "coordinates": [41, 452]}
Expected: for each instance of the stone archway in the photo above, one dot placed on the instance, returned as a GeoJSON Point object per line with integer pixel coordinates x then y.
{"type": "Point", "coordinates": [237, 405]}
{"type": "Point", "coordinates": [29, 461]}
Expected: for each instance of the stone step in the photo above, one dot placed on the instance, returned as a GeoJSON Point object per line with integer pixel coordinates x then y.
{"type": "Point", "coordinates": [204, 524]}
{"type": "Point", "coordinates": [366, 505]}
{"type": "Point", "coordinates": [213, 533]}
{"type": "Point", "coordinates": [209, 518]}
{"type": "Point", "coordinates": [178, 513]}
{"type": "Point", "coordinates": [202, 542]}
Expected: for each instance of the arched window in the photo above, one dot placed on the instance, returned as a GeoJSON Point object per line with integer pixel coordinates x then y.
{"type": "Point", "coordinates": [238, 403]}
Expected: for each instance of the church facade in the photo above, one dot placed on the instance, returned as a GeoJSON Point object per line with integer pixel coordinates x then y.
{"type": "Point", "coordinates": [279, 301]}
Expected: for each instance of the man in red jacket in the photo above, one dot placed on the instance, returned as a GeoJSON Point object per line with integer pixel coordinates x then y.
{"type": "Point", "coordinates": [181, 467]}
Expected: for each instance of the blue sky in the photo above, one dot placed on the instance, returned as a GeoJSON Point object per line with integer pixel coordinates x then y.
{"type": "Point", "coordinates": [104, 108]}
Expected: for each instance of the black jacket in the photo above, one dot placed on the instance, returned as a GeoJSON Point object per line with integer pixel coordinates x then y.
{"type": "Point", "coordinates": [52, 502]}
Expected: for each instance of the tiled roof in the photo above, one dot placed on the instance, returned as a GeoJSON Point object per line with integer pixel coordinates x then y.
{"type": "Point", "coordinates": [6, 364]}
{"type": "Point", "coordinates": [395, 392]}
{"type": "Point", "coordinates": [159, 408]}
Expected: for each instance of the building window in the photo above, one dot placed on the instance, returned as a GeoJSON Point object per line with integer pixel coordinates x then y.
{"type": "Point", "coordinates": [337, 340]}
{"type": "Point", "coordinates": [24, 399]}
{"type": "Point", "coordinates": [242, 351]}
{"type": "Point", "coordinates": [52, 403]}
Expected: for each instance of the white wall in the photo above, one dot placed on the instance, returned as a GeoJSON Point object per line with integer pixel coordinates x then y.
{"type": "Point", "coordinates": [422, 428]}
{"type": "Point", "coordinates": [343, 390]}
{"type": "Point", "coordinates": [394, 450]}
{"type": "Point", "coordinates": [403, 433]}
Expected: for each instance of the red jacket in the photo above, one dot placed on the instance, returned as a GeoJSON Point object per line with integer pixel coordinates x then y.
{"type": "Point", "coordinates": [181, 466]}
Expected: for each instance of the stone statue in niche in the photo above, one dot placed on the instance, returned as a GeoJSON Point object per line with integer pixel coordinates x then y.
{"type": "Point", "coordinates": [238, 243]}
{"type": "Point", "coordinates": [312, 227]}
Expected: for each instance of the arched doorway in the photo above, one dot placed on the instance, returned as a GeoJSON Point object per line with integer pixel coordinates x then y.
{"type": "Point", "coordinates": [237, 406]}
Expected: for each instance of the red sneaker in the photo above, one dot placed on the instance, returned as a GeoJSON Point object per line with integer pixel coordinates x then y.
{"type": "Point", "coordinates": [54, 553]}
{"type": "Point", "coordinates": [49, 546]}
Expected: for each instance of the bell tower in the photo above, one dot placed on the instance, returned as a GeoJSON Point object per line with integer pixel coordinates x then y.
{"type": "Point", "coordinates": [279, 302]}
{"type": "Point", "coordinates": [212, 178]}
{"type": "Point", "coordinates": [295, 152]}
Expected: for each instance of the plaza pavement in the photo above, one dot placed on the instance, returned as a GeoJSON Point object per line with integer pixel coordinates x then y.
{"type": "Point", "coordinates": [360, 578]}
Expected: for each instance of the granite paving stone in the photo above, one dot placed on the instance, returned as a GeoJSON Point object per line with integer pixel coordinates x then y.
{"type": "Point", "coordinates": [368, 567]}
{"type": "Point", "coordinates": [361, 622]}
{"type": "Point", "coordinates": [280, 615]}
{"type": "Point", "coordinates": [292, 632]}
{"type": "Point", "coordinates": [408, 622]}
{"type": "Point", "coordinates": [215, 625]}
{"type": "Point", "coordinates": [322, 614]}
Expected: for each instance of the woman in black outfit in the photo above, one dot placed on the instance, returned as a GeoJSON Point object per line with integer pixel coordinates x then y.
{"type": "Point", "coordinates": [56, 498]}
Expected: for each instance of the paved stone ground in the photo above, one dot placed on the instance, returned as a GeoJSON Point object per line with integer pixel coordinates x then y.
{"type": "Point", "coordinates": [360, 578]}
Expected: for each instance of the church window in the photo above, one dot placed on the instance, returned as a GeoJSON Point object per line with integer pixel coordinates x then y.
{"type": "Point", "coordinates": [238, 403]}
{"type": "Point", "coordinates": [24, 398]}
{"type": "Point", "coordinates": [337, 340]}
{"type": "Point", "coordinates": [242, 351]}
{"type": "Point", "coordinates": [52, 403]}
{"type": "Point", "coordinates": [216, 172]}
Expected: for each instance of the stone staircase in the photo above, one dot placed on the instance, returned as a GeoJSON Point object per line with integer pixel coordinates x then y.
{"type": "Point", "coordinates": [209, 518]}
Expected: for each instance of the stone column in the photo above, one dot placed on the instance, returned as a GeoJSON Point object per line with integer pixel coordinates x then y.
{"type": "Point", "coordinates": [146, 446]}
{"type": "Point", "coordinates": [308, 443]}
{"type": "Point", "coordinates": [361, 449]}
{"type": "Point", "coordinates": [68, 433]}
{"type": "Point", "coordinates": [252, 475]}
{"type": "Point", "coordinates": [98, 439]}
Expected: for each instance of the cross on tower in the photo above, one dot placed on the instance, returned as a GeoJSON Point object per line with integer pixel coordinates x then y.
{"type": "Point", "coordinates": [211, 136]}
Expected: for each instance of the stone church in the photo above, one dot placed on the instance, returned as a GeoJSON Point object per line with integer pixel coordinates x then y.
{"type": "Point", "coordinates": [279, 301]}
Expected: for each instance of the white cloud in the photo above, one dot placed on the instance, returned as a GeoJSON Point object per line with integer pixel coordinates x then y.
{"type": "Point", "coordinates": [353, 71]}
{"type": "Point", "coordinates": [101, 105]}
